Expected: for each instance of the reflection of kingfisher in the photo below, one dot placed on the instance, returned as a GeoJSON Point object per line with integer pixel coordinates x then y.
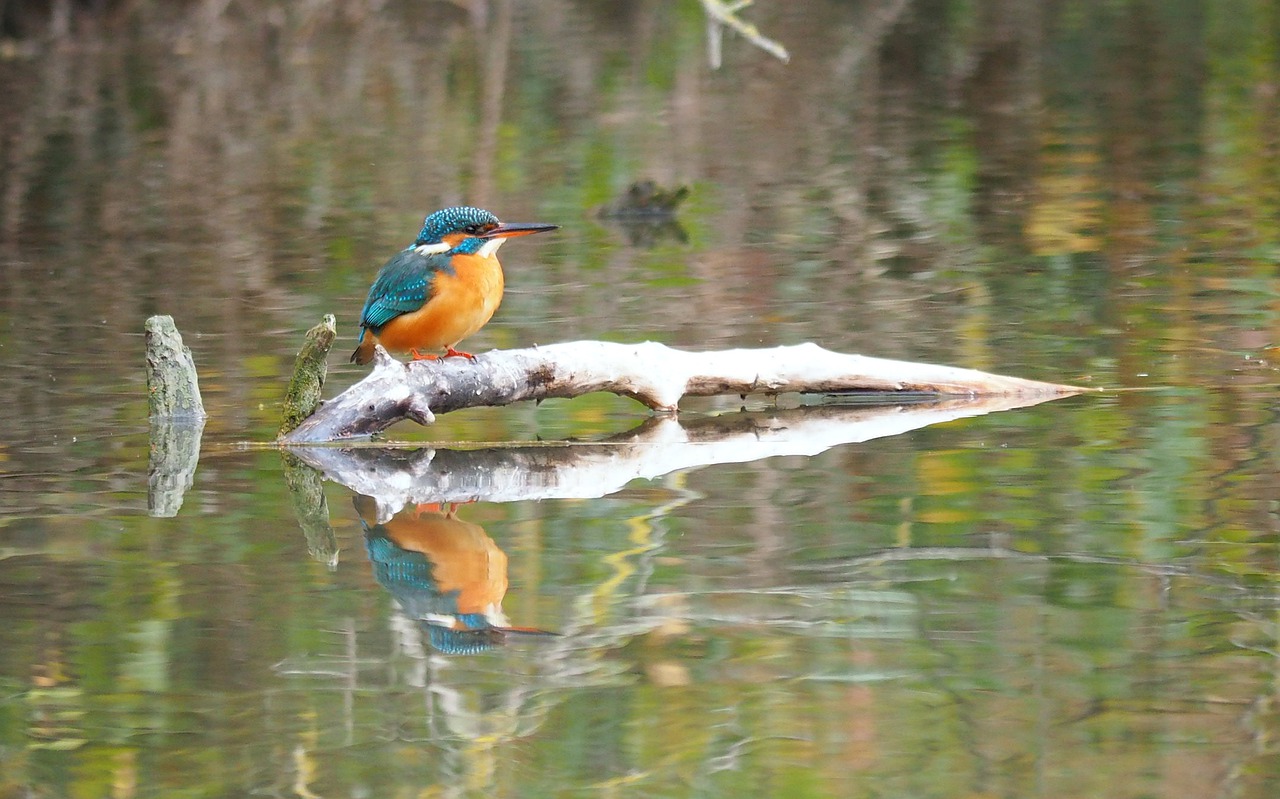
{"type": "Point", "coordinates": [440, 289]}
{"type": "Point", "coordinates": [446, 573]}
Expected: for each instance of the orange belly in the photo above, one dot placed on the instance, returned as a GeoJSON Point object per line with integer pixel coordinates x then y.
{"type": "Point", "coordinates": [463, 557]}
{"type": "Point", "coordinates": [459, 305]}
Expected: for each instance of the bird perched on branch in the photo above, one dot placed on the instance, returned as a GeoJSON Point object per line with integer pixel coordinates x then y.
{"type": "Point", "coordinates": [440, 289]}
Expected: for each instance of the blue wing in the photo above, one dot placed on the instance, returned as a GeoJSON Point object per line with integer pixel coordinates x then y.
{"type": "Point", "coordinates": [402, 286]}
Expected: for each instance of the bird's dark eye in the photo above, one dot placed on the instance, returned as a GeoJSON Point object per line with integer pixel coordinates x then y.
{"type": "Point", "coordinates": [472, 229]}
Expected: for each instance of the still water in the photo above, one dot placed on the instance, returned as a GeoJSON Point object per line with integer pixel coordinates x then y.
{"type": "Point", "coordinates": [1076, 599]}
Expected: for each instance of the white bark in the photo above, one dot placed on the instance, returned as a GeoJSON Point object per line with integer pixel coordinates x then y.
{"type": "Point", "coordinates": [651, 373]}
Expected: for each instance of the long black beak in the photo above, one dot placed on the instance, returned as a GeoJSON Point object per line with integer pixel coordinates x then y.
{"type": "Point", "coordinates": [508, 230]}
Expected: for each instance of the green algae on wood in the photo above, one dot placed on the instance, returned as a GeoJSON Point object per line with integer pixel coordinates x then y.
{"type": "Point", "coordinates": [309, 372]}
{"type": "Point", "coordinates": [306, 492]}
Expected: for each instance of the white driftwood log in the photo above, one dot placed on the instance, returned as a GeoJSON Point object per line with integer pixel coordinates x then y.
{"type": "Point", "coordinates": [586, 470]}
{"type": "Point", "coordinates": [652, 373]}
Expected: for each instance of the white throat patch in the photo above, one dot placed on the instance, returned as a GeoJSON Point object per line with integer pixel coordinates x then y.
{"type": "Point", "coordinates": [489, 248]}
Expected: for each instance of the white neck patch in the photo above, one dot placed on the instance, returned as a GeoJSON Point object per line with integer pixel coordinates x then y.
{"type": "Point", "coordinates": [431, 249]}
{"type": "Point", "coordinates": [489, 248]}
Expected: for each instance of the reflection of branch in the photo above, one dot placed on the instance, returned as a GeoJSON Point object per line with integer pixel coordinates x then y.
{"type": "Point", "coordinates": [660, 446]}
{"type": "Point", "coordinates": [306, 491]}
{"type": "Point", "coordinates": [721, 14]}
{"type": "Point", "coordinates": [652, 373]}
{"type": "Point", "coordinates": [175, 453]}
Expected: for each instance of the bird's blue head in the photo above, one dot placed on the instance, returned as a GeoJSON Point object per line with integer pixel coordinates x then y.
{"type": "Point", "coordinates": [455, 225]}
{"type": "Point", "coordinates": [467, 230]}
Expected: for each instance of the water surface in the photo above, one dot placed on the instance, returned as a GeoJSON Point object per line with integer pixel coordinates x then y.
{"type": "Point", "coordinates": [1072, 599]}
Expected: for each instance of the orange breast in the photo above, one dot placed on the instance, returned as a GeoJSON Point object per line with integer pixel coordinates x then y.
{"type": "Point", "coordinates": [459, 305]}
{"type": "Point", "coordinates": [463, 557]}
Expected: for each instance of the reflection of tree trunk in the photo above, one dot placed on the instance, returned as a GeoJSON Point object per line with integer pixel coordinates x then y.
{"type": "Point", "coordinates": [495, 48]}
{"type": "Point", "coordinates": [34, 135]}
{"type": "Point", "coordinates": [767, 523]}
{"type": "Point", "coordinates": [51, 104]}
{"type": "Point", "coordinates": [1134, 124]}
{"type": "Point", "coordinates": [1003, 93]}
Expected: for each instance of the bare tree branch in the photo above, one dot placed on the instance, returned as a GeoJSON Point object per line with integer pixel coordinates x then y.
{"type": "Point", "coordinates": [651, 373]}
{"type": "Point", "coordinates": [721, 15]}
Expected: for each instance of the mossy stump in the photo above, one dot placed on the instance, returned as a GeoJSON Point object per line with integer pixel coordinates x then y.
{"type": "Point", "coordinates": [309, 373]}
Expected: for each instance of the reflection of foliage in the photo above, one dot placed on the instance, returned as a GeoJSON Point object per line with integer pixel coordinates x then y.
{"type": "Point", "coordinates": [696, 655]}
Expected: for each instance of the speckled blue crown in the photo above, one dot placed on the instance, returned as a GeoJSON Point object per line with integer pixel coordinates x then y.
{"type": "Point", "coordinates": [453, 220]}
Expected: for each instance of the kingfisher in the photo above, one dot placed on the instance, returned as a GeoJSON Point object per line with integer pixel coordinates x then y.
{"type": "Point", "coordinates": [440, 289]}
{"type": "Point", "coordinates": [445, 573]}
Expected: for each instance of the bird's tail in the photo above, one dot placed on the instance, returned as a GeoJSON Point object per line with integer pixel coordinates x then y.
{"type": "Point", "coordinates": [364, 352]}
{"type": "Point", "coordinates": [531, 631]}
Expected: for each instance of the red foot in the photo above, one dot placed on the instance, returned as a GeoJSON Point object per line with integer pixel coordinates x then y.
{"type": "Point", "coordinates": [450, 352]}
{"type": "Point", "coordinates": [447, 508]}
